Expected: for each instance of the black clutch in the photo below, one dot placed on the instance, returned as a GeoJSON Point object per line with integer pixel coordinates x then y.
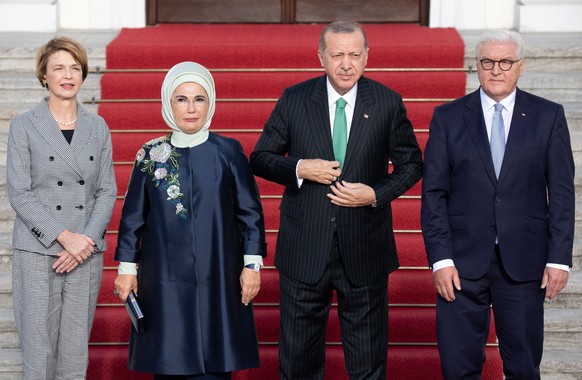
{"type": "Point", "coordinates": [135, 313]}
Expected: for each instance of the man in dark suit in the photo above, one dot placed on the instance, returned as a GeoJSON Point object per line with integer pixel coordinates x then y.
{"type": "Point", "coordinates": [497, 214]}
{"type": "Point", "coordinates": [336, 229]}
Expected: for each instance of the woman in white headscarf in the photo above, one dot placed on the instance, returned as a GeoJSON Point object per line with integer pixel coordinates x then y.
{"type": "Point", "coordinates": [192, 221]}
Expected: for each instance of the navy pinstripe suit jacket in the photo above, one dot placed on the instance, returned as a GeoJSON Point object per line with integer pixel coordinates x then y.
{"type": "Point", "coordinates": [54, 185]}
{"type": "Point", "coordinates": [299, 128]}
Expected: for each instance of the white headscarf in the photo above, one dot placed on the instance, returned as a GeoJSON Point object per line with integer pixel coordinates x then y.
{"type": "Point", "coordinates": [182, 73]}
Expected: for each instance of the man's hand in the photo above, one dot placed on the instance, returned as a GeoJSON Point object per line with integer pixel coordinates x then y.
{"type": "Point", "coordinates": [444, 280]}
{"type": "Point", "coordinates": [250, 283]}
{"type": "Point", "coordinates": [348, 194]}
{"type": "Point", "coordinates": [554, 280]}
{"type": "Point", "coordinates": [124, 284]}
{"type": "Point", "coordinates": [317, 170]}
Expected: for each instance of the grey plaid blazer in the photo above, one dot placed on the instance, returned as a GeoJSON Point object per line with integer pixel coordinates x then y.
{"type": "Point", "coordinates": [54, 185]}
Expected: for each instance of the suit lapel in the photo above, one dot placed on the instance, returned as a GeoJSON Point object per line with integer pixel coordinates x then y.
{"type": "Point", "coordinates": [83, 132]}
{"type": "Point", "coordinates": [318, 113]}
{"type": "Point", "coordinates": [517, 132]}
{"type": "Point", "coordinates": [359, 129]}
{"type": "Point", "coordinates": [49, 130]}
{"type": "Point", "coordinates": [475, 123]}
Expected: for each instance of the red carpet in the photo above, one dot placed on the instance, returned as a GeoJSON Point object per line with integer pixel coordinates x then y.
{"type": "Point", "coordinates": [251, 65]}
{"type": "Point", "coordinates": [277, 46]}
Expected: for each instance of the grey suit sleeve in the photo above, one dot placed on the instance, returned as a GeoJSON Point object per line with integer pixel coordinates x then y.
{"type": "Point", "coordinates": [44, 226]}
{"type": "Point", "coordinates": [105, 193]}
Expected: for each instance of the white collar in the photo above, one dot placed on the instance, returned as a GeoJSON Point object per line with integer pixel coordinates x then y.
{"type": "Point", "coordinates": [349, 97]}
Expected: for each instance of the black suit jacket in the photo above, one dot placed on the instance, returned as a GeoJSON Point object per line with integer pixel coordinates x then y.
{"type": "Point", "coordinates": [299, 128]}
{"type": "Point", "coordinates": [530, 208]}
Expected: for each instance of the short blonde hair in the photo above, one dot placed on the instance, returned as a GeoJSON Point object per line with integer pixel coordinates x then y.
{"type": "Point", "coordinates": [60, 44]}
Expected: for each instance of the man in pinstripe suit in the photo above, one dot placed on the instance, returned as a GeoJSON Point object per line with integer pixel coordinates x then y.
{"type": "Point", "coordinates": [336, 222]}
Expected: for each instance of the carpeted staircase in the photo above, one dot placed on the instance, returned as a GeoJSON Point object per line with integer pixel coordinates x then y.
{"type": "Point", "coordinates": [251, 65]}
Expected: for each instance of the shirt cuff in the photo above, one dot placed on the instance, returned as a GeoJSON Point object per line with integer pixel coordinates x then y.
{"type": "Point", "coordinates": [127, 268]}
{"type": "Point", "coordinates": [558, 266]}
{"type": "Point", "coordinates": [442, 264]}
{"type": "Point", "coordinates": [253, 259]}
{"type": "Point", "coordinates": [299, 180]}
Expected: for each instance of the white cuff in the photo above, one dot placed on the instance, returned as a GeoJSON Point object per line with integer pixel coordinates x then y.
{"type": "Point", "coordinates": [253, 259]}
{"type": "Point", "coordinates": [558, 266]}
{"type": "Point", "coordinates": [442, 264]}
{"type": "Point", "coordinates": [299, 180]}
{"type": "Point", "coordinates": [127, 268]}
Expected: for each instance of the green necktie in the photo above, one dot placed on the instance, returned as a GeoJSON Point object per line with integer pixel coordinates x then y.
{"type": "Point", "coordinates": [340, 131]}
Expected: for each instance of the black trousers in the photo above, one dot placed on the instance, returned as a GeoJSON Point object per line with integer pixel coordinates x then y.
{"type": "Point", "coordinates": [363, 314]}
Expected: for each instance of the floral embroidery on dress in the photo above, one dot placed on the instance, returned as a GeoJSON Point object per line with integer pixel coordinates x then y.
{"type": "Point", "coordinates": [163, 167]}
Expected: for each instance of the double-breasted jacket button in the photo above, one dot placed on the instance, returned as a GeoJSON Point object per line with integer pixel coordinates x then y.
{"type": "Point", "coordinates": [80, 207]}
{"type": "Point", "coordinates": [58, 207]}
{"type": "Point", "coordinates": [60, 183]}
{"type": "Point", "coordinates": [91, 158]}
{"type": "Point", "coordinates": [81, 182]}
{"type": "Point", "coordinates": [51, 158]}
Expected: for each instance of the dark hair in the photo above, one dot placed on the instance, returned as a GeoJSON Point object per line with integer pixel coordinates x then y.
{"type": "Point", "coordinates": [60, 44]}
{"type": "Point", "coordinates": [341, 27]}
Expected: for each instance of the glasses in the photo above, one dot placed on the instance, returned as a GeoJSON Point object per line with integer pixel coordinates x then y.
{"type": "Point", "coordinates": [183, 102]}
{"type": "Point", "coordinates": [504, 64]}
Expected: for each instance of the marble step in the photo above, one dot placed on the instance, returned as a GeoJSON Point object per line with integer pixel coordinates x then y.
{"type": "Point", "coordinates": [8, 335]}
{"type": "Point", "coordinates": [18, 50]}
{"type": "Point", "coordinates": [6, 290]}
{"type": "Point", "coordinates": [551, 52]}
{"type": "Point", "coordinates": [562, 364]}
{"type": "Point", "coordinates": [10, 364]}
{"type": "Point", "coordinates": [562, 328]}
{"type": "Point", "coordinates": [560, 87]}
{"type": "Point", "coordinates": [26, 89]}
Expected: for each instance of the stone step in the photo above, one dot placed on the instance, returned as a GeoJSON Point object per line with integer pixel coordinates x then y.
{"type": "Point", "coordinates": [562, 328]}
{"type": "Point", "coordinates": [18, 50]}
{"type": "Point", "coordinates": [10, 364]}
{"type": "Point", "coordinates": [549, 52]}
{"type": "Point", "coordinates": [6, 290]}
{"type": "Point", "coordinates": [5, 252]}
{"type": "Point", "coordinates": [22, 88]}
{"type": "Point", "coordinates": [8, 335]}
{"type": "Point", "coordinates": [560, 87]}
{"type": "Point", "coordinates": [562, 364]}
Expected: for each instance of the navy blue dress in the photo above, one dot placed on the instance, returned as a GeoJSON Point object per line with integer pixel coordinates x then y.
{"type": "Point", "coordinates": [189, 216]}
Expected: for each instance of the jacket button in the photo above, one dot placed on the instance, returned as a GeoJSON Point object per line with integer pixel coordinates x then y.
{"type": "Point", "coordinates": [51, 158]}
{"type": "Point", "coordinates": [497, 199]}
{"type": "Point", "coordinates": [91, 158]}
{"type": "Point", "coordinates": [333, 218]}
{"type": "Point", "coordinates": [60, 183]}
{"type": "Point", "coordinates": [58, 207]}
{"type": "Point", "coordinates": [81, 182]}
{"type": "Point", "coordinates": [492, 228]}
{"type": "Point", "coordinates": [80, 207]}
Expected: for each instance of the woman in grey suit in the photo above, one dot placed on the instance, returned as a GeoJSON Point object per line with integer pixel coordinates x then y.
{"type": "Point", "coordinates": [62, 187]}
